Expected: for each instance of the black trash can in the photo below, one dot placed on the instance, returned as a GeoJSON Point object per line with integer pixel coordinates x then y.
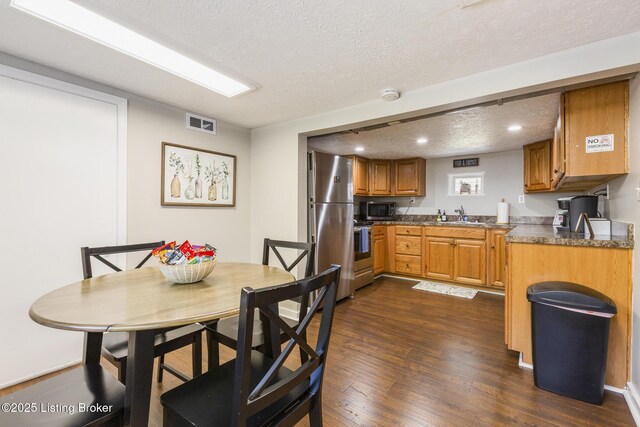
{"type": "Point", "coordinates": [570, 336]}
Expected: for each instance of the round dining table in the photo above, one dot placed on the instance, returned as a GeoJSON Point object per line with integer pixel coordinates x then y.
{"type": "Point", "coordinates": [141, 302]}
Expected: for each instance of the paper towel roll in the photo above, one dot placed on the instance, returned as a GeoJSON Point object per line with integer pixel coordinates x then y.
{"type": "Point", "coordinates": [503, 213]}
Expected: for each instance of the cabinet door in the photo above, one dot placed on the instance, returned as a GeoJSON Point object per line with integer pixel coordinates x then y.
{"type": "Point", "coordinates": [360, 176]}
{"type": "Point", "coordinates": [410, 177]}
{"type": "Point", "coordinates": [593, 111]}
{"type": "Point", "coordinates": [557, 148]}
{"type": "Point", "coordinates": [470, 261]}
{"type": "Point", "coordinates": [379, 249]}
{"type": "Point", "coordinates": [497, 258]}
{"type": "Point", "coordinates": [380, 177]}
{"type": "Point", "coordinates": [537, 166]}
{"type": "Point", "coordinates": [438, 258]}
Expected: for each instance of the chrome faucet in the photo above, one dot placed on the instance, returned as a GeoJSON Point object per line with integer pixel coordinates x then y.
{"type": "Point", "coordinates": [460, 213]}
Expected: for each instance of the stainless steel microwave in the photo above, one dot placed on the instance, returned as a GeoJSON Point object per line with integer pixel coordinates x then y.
{"type": "Point", "coordinates": [378, 211]}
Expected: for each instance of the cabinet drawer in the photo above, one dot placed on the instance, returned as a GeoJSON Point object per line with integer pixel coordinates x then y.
{"type": "Point", "coordinates": [409, 245]}
{"type": "Point", "coordinates": [408, 230]}
{"type": "Point", "coordinates": [408, 264]}
{"type": "Point", "coordinates": [379, 230]}
{"type": "Point", "coordinates": [456, 232]}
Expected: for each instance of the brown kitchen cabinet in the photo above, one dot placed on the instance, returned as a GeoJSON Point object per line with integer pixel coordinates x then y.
{"type": "Point", "coordinates": [408, 250]}
{"type": "Point", "coordinates": [438, 257]}
{"type": "Point", "coordinates": [497, 258]}
{"type": "Point", "coordinates": [568, 166]}
{"type": "Point", "coordinates": [456, 254]}
{"type": "Point", "coordinates": [379, 249]}
{"type": "Point", "coordinates": [360, 176]}
{"type": "Point", "coordinates": [469, 261]}
{"type": "Point", "coordinates": [537, 166]}
{"type": "Point", "coordinates": [410, 177]}
{"type": "Point", "coordinates": [381, 174]}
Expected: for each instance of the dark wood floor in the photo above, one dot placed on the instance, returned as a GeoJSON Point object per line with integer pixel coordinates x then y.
{"type": "Point", "coordinates": [402, 357]}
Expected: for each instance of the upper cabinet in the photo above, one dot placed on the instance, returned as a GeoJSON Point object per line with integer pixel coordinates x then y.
{"type": "Point", "coordinates": [360, 176]}
{"type": "Point", "coordinates": [380, 173]}
{"type": "Point", "coordinates": [537, 166]}
{"type": "Point", "coordinates": [410, 177]}
{"type": "Point", "coordinates": [589, 145]}
{"type": "Point", "coordinates": [377, 177]}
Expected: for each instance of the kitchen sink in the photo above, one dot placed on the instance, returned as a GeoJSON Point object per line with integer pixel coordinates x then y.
{"type": "Point", "coordinates": [467, 223]}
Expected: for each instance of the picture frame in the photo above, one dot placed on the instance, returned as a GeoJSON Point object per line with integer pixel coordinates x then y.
{"type": "Point", "coordinates": [196, 177]}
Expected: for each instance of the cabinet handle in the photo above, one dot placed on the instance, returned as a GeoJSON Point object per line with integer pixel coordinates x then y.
{"type": "Point", "coordinates": [493, 247]}
{"type": "Point", "coordinates": [526, 185]}
{"type": "Point", "coordinates": [555, 171]}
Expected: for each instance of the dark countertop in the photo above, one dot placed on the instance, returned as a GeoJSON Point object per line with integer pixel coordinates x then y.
{"type": "Point", "coordinates": [540, 234]}
{"type": "Point", "coordinates": [544, 234]}
{"type": "Point", "coordinates": [446, 224]}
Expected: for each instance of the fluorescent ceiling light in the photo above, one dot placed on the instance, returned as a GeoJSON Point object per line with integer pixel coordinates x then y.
{"type": "Point", "coordinates": [422, 140]}
{"type": "Point", "coordinates": [514, 128]}
{"type": "Point", "coordinates": [86, 23]}
{"type": "Point", "coordinates": [359, 148]}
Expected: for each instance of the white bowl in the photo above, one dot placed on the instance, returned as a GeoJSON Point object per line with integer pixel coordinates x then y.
{"type": "Point", "coordinates": [188, 273]}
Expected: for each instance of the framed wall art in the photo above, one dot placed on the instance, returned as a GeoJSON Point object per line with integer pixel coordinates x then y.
{"type": "Point", "coordinates": [196, 177]}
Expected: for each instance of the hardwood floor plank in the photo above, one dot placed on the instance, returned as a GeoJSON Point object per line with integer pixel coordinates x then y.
{"type": "Point", "coordinates": [403, 357]}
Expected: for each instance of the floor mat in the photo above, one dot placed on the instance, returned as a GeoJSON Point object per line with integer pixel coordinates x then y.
{"type": "Point", "coordinates": [441, 288]}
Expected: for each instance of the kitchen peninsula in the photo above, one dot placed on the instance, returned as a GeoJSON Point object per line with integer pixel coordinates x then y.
{"type": "Point", "coordinates": [537, 254]}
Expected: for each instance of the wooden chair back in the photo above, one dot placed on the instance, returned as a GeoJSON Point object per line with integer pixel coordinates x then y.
{"type": "Point", "coordinates": [97, 253]}
{"type": "Point", "coordinates": [247, 401]}
{"type": "Point", "coordinates": [308, 250]}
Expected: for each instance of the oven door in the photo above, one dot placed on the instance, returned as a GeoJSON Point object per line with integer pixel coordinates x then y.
{"type": "Point", "coordinates": [361, 246]}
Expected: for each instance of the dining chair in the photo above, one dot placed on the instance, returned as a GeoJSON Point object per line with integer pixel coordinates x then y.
{"type": "Point", "coordinates": [115, 344]}
{"type": "Point", "coordinates": [255, 389]}
{"type": "Point", "coordinates": [84, 396]}
{"type": "Point", "coordinates": [225, 331]}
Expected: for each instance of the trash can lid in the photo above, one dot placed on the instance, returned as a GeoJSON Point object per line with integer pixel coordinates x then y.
{"type": "Point", "coordinates": [572, 296]}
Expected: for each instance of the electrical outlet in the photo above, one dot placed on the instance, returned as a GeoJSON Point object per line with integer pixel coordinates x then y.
{"type": "Point", "coordinates": [607, 191]}
{"type": "Point", "coordinates": [412, 200]}
{"type": "Point", "coordinates": [521, 198]}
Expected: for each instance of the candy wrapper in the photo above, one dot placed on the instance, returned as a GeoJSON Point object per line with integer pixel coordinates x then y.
{"type": "Point", "coordinates": [186, 253]}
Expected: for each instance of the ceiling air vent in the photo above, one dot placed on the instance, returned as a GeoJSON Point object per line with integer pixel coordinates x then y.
{"type": "Point", "coordinates": [201, 124]}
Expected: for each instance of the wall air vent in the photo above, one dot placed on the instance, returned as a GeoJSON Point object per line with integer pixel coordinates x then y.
{"type": "Point", "coordinates": [201, 124]}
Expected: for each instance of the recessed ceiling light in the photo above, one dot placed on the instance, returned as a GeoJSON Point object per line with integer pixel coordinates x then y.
{"type": "Point", "coordinates": [359, 148]}
{"type": "Point", "coordinates": [91, 25]}
{"type": "Point", "coordinates": [422, 140]}
{"type": "Point", "coordinates": [514, 128]}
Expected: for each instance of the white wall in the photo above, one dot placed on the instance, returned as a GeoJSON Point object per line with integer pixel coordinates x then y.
{"type": "Point", "coordinates": [503, 179]}
{"type": "Point", "coordinates": [279, 144]}
{"type": "Point", "coordinates": [149, 124]}
{"type": "Point", "coordinates": [227, 228]}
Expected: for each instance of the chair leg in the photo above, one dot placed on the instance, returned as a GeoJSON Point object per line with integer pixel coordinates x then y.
{"type": "Point", "coordinates": [315, 414]}
{"type": "Point", "coordinates": [196, 355]}
{"type": "Point", "coordinates": [122, 371]}
{"type": "Point", "coordinates": [213, 352]}
{"type": "Point", "coordinates": [160, 368]}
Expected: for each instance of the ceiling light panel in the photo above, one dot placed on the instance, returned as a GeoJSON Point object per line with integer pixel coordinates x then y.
{"type": "Point", "coordinates": [514, 128]}
{"type": "Point", "coordinates": [91, 25]}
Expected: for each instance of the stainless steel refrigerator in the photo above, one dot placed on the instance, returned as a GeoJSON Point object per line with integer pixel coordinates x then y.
{"type": "Point", "coordinates": [331, 215]}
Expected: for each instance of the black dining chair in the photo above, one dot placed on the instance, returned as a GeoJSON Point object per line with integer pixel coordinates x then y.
{"type": "Point", "coordinates": [225, 331]}
{"type": "Point", "coordinates": [255, 389]}
{"type": "Point", "coordinates": [83, 396]}
{"type": "Point", "coordinates": [115, 344]}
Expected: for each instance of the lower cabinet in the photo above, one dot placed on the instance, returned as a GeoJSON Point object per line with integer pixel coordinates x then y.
{"type": "Point", "coordinates": [438, 258]}
{"type": "Point", "coordinates": [469, 261]}
{"type": "Point", "coordinates": [465, 255]}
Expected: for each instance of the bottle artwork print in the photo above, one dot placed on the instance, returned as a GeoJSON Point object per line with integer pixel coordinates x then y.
{"type": "Point", "coordinates": [211, 174]}
{"type": "Point", "coordinates": [198, 189]}
{"type": "Point", "coordinates": [176, 163]}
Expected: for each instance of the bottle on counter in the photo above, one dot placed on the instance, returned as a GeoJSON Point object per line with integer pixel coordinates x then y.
{"type": "Point", "coordinates": [439, 217]}
{"type": "Point", "coordinates": [444, 216]}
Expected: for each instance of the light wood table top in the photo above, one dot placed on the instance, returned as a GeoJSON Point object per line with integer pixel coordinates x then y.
{"type": "Point", "coordinates": [144, 299]}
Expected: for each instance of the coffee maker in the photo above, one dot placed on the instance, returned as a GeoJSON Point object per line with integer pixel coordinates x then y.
{"type": "Point", "coordinates": [566, 218]}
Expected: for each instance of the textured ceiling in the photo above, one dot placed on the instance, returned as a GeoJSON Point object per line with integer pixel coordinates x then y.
{"type": "Point", "coordinates": [470, 131]}
{"type": "Point", "coordinates": [308, 57]}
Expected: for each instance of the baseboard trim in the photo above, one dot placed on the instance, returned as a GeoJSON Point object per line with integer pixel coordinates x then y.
{"type": "Point", "coordinates": [633, 401]}
{"type": "Point", "coordinates": [618, 390]}
{"type": "Point", "coordinates": [41, 373]}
